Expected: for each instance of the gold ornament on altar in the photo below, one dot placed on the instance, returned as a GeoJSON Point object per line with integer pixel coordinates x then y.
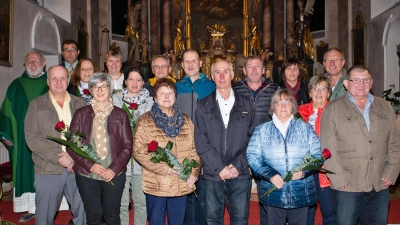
{"type": "Point", "coordinates": [217, 30]}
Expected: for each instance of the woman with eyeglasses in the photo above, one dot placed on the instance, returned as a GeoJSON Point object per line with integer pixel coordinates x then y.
{"type": "Point", "coordinates": [79, 81]}
{"type": "Point", "coordinates": [275, 148]}
{"type": "Point", "coordinates": [134, 92]}
{"type": "Point", "coordinates": [108, 131]}
{"type": "Point", "coordinates": [320, 90]}
{"type": "Point", "coordinates": [291, 80]}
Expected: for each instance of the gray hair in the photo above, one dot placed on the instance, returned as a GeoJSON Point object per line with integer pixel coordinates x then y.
{"type": "Point", "coordinates": [230, 65]}
{"type": "Point", "coordinates": [318, 79]}
{"type": "Point", "coordinates": [35, 53]}
{"type": "Point", "coordinates": [100, 77]}
{"type": "Point", "coordinates": [357, 68]}
{"type": "Point", "coordinates": [278, 95]}
{"type": "Point", "coordinates": [161, 56]}
{"type": "Point", "coordinates": [334, 49]}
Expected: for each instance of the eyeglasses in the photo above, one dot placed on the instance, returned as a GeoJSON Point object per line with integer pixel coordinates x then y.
{"type": "Point", "coordinates": [319, 88]}
{"type": "Point", "coordinates": [333, 60]}
{"type": "Point", "coordinates": [358, 80]}
{"type": "Point", "coordinates": [70, 50]}
{"type": "Point", "coordinates": [283, 102]}
{"type": "Point", "coordinates": [34, 61]}
{"type": "Point", "coordinates": [162, 67]}
{"type": "Point", "coordinates": [103, 87]}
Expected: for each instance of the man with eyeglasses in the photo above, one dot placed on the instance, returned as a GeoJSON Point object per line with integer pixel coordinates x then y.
{"type": "Point", "coordinates": [54, 176]}
{"type": "Point", "coordinates": [192, 88]}
{"type": "Point", "coordinates": [333, 63]}
{"type": "Point", "coordinates": [19, 94]}
{"type": "Point", "coordinates": [361, 132]}
{"type": "Point", "coordinates": [70, 53]}
{"type": "Point", "coordinates": [161, 68]}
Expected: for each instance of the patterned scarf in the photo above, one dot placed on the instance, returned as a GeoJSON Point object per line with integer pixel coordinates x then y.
{"type": "Point", "coordinates": [139, 99]}
{"type": "Point", "coordinates": [99, 132]}
{"type": "Point", "coordinates": [170, 125]}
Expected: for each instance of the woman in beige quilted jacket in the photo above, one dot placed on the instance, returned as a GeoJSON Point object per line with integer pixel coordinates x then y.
{"type": "Point", "coordinates": [165, 191]}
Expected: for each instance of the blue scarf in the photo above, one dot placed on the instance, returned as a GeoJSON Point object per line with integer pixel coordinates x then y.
{"type": "Point", "coordinates": [170, 125]}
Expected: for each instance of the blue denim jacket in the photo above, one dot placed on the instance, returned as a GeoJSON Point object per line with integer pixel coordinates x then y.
{"type": "Point", "coordinates": [269, 154]}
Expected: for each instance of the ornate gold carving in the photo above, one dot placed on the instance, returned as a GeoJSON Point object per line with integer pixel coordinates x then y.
{"type": "Point", "coordinates": [81, 24]}
{"type": "Point", "coordinates": [358, 22]}
{"type": "Point", "coordinates": [217, 30]}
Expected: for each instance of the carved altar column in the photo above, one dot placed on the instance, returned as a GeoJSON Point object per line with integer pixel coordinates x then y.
{"type": "Point", "coordinates": [154, 26]}
{"type": "Point", "coordinates": [289, 25]}
{"type": "Point", "coordinates": [279, 27]}
{"type": "Point", "coordinates": [266, 42]}
{"type": "Point", "coordinates": [144, 21]}
{"type": "Point", "coordinates": [167, 45]}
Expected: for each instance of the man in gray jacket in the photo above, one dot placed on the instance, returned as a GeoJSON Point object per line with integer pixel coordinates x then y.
{"type": "Point", "coordinates": [361, 132]}
{"type": "Point", "coordinates": [53, 166]}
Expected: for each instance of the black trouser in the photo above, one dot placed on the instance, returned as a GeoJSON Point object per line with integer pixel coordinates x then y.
{"type": "Point", "coordinates": [101, 199]}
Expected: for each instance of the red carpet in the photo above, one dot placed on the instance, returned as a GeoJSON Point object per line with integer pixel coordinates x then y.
{"type": "Point", "coordinates": [6, 213]}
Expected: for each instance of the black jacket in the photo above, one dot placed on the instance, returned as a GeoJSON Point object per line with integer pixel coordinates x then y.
{"type": "Point", "coordinates": [303, 96]}
{"type": "Point", "coordinates": [218, 146]}
{"type": "Point", "coordinates": [262, 102]}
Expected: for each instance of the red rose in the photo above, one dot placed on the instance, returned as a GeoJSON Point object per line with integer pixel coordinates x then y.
{"type": "Point", "coordinates": [153, 145]}
{"type": "Point", "coordinates": [86, 92]}
{"type": "Point", "coordinates": [133, 106]}
{"type": "Point", "coordinates": [326, 153]}
{"type": "Point", "coordinates": [60, 126]}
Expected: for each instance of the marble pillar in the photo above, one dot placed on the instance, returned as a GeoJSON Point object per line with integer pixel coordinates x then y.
{"type": "Point", "coordinates": [144, 21]}
{"type": "Point", "coordinates": [167, 45]}
{"type": "Point", "coordinates": [289, 25]}
{"type": "Point", "coordinates": [266, 40]}
{"type": "Point", "coordinates": [279, 28]}
{"type": "Point", "coordinates": [154, 27]}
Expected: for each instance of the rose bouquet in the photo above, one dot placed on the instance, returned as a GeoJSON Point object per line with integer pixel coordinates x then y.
{"type": "Point", "coordinates": [132, 115]}
{"type": "Point", "coordinates": [165, 155]}
{"type": "Point", "coordinates": [84, 151]}
{"type": "Point", "coordinates": [307, 163]}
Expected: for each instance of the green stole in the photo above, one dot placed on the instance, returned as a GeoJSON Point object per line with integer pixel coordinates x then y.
{"type": "Point", "coordinates": [12, 115]}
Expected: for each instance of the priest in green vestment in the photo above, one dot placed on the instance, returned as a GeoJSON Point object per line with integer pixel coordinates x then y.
{"type": "Point", "coordinates": [20, 93]}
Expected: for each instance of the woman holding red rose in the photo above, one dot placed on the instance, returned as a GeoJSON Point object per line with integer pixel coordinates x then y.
{"type": "Point", "coordinates": [80, 79]}
{"type": "Point", "coordinates": [108, 130]}
{"type": "Point", "coordinates": [137, 100]}
{"type": "Point", "coordinates": [165, 191]}
{"type": "Point", "coordinates": [320, 90]}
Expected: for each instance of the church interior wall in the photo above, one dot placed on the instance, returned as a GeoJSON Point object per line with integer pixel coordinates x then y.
{"type": "Point", "coordinates": [24, 14]}
{"type": "Point", "coordinates": [375, 50]}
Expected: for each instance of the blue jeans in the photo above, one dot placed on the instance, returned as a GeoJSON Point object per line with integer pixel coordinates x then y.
{"type": "Point", "coordinates": [325, 203]}
{"type": "Point", "coordinates": [237, 194]}
{"type": "Point", "coordinates": [367, 207]}
{"type": "Point", "coordinates": [158, 206]}
{"type": "Point", "coordinates": [196, 208]}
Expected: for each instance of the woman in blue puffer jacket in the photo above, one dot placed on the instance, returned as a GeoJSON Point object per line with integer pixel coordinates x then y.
{"type": "Point", "coordinates": [275, 148]}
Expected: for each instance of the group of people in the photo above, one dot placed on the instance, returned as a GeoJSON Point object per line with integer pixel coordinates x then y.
{"type": "Point", "coordinates": [235, 132]}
